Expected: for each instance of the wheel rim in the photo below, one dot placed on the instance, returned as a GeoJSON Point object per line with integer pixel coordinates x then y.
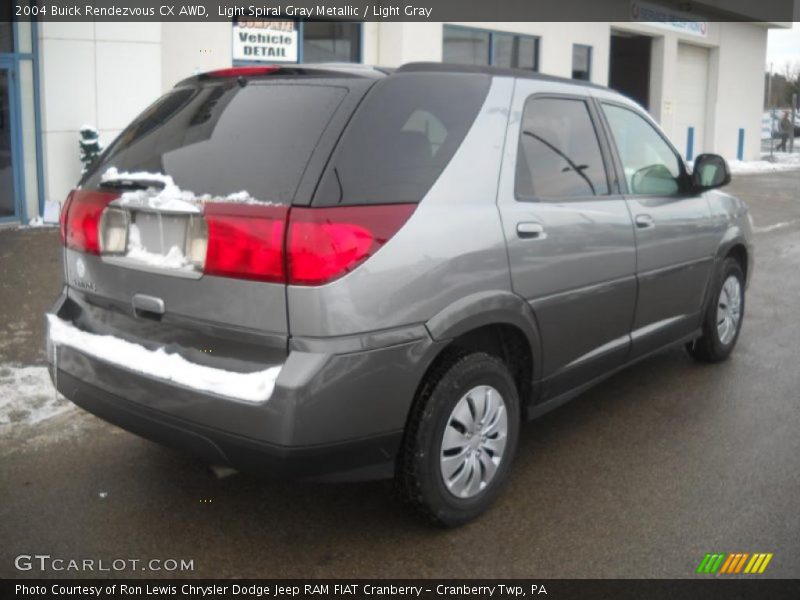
{"type": "Point", "coordinates": [474, 441]}
{"type": "Point", "coordinates": [729, 309]}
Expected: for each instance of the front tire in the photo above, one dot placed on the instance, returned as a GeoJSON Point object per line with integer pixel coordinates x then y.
{"type": "Point", "coordinates": [460, 439]}
{"type": "Point", "coordinates": [723, 318]}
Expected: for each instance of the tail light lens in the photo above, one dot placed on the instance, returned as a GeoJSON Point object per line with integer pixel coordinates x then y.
{"type": "Point", "coordinates": [80, 219]}
{"type": "Point", "coordinates": [326, 243]}
{"type": "Point", "coordinates": [317, 245]}
{"type": "Point", "coordinates": [245, 241]}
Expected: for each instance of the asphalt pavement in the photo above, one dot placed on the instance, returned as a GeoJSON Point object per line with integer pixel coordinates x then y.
{"type": "Point", "coordinates": [638, 477]}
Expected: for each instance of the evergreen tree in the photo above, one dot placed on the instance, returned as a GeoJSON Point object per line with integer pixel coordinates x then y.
{"type": "Point", "coordinates": [90, 146]}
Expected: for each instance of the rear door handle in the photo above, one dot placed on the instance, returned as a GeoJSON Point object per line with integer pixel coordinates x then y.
{"type": "Point", "coordinates": [531, 230]}
{"type": "Point", "coordinates": [645, 222]}
{"type": "Point", "coordinates": [148, 306]}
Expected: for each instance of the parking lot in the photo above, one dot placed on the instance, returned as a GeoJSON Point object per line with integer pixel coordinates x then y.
{"type": "Point", "coordinates": [639, 477]}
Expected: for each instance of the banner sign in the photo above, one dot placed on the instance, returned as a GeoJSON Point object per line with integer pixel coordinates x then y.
{"type": "Point", "coordinates": [262, 40]}
{"type": "Point", "coordinates": [658, 16]}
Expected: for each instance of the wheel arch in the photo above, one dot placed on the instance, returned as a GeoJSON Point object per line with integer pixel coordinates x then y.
{"type": "Point", "coordinates": [499, 323]}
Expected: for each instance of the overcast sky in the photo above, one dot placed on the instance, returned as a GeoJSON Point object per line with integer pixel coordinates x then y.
{"type": "Point", "coordinates": [783, 47]}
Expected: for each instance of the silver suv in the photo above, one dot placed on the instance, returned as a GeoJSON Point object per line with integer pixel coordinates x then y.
{"type": "Point", "coordinates": [351, 273]}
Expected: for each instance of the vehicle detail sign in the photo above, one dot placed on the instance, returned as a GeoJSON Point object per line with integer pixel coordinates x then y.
{"type": "Point", "coordinates": [263, 40]}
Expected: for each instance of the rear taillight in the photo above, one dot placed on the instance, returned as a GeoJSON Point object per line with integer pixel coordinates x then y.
{"type": "Point", "coordinates": [245, 241]}
{"type": "Point", "coordinates": [80, 219]}
{"type": "Point", "coordinates": [317, 246]}
{"type": "Point", "coordinates": [326, 243]}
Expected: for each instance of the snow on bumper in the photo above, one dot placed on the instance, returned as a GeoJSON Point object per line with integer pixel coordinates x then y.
{"type": "Point", "coordinates": [256, 387]}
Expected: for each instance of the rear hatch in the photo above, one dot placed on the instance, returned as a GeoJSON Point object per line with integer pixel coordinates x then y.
{"type": "Point", "coordinates": [175, 237]}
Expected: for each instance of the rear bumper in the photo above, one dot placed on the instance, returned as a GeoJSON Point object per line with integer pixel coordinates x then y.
{"type": "Point", "coordinates": [368, 458]}
{"type": "Point", "coordinates": [336, 412]}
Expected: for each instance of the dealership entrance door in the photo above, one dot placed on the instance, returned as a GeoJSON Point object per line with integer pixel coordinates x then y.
{"type": "Point", "coordinates": [8, 204]}
{"type": "Point", "coordinates": [629, 66]}
{"type": "Point", "coordinates": [691, 98]}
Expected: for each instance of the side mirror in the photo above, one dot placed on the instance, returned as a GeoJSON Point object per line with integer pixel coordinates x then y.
{"type": "Point", "coordinates": [710, 171]}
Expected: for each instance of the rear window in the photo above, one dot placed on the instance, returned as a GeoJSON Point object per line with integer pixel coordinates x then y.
{"type": "Point", "coordinates": [401, 138]}
{"type": "Point", "coordinates": [223, 138]}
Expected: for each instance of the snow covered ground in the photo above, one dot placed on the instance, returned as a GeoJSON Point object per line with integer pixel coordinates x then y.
{"type": "Point", "coordinates": [27, 396]}
{"type": "Point", "coordinates": [782, 162]}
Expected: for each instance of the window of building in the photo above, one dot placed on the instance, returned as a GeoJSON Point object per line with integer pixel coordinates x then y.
{"type": "Point", "coordinates": [467, 46]}
{"type": "Point", "coordinates": [516, 51]}
{"type": "Point", "coordinates": [559, 154]}
{"type": "Point", "coordinates": [581, 62]}
{"type": "Point", "coordinates": [331, 42]}
{"type": "Point", "coordinates": [651, 166]}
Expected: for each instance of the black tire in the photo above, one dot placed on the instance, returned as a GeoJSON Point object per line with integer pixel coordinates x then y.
{"type": "Point", "coordinates": [419, 473]}
{"type": "Point", "coordinates": [709, 347]}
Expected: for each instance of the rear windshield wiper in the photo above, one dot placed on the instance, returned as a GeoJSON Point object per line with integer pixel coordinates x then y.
{"type": "Point", "coordinates": [132, 184]}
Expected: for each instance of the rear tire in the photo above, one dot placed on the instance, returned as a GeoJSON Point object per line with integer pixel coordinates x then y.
{"type": "Point", "coordinates": [723, 317]}
{"type": "Point", "coordinates": [460, 439]}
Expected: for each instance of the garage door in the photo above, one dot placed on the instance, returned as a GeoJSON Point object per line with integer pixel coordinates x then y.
{"type": "Point", "coordinates": [691, 97]}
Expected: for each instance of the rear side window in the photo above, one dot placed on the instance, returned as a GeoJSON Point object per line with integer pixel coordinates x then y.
{"type": "Point", "coordinates": [559, 155]}
{"type": "Point", "coordinates": [401, 138]}
{"type": "Point", "coordinates": [223, 138]}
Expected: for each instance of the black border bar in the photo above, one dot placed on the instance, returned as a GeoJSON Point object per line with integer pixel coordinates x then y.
{"type": "Point", "coordinates": [703, 587]}
{"type": "Point", "coordinates": [402, 10]}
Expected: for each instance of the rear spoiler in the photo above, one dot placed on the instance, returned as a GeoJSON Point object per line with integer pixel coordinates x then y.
{"type": "Point", "coordinates": [326, 70]}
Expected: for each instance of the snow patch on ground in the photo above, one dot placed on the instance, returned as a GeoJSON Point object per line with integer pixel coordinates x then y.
{"type": "Point", "coordinates": [170, 197]}
{"type": "Point", "coordinates": [27, 396]}
{"type": "Point", "coordinates": [37, 222]}
{"type": "Point", "coordinates": [782, 162]}
{"type": "Point", "coordinates": [158, 364]}
{"type": "Point", "coordinates": [774, 226]}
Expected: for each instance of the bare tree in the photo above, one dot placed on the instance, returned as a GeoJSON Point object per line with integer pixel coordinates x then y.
{"type": "Point", "coordinates": [791, 72]}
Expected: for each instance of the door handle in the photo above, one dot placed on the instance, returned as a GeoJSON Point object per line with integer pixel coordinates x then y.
{"type": "Point", "coordinates": [148, 307]}
{"type": "Point", "coordinates": [645, 222]}
{"type": "Point", "coordinates": [531, 230]}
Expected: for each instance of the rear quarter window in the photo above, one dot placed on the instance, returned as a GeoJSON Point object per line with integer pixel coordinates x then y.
{"type": "Point", "coordinates": [401, 138]}
{"type": "Point", "coordinates": [223, 138]}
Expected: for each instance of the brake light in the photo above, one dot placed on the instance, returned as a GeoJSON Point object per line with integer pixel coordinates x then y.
{"type": "Point", "coordinates": [80, 219]}
{"type": "Point", "coordinates": [243, 71]}
{"type": "Point", "coordinates": [245, 241]}
{"type": "Point", "coordinates": [299, 246]}
{"type": "Point", "coordinates": [326, 243]}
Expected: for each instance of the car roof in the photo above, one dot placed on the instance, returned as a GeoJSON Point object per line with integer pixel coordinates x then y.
{"type": "Point", "coordinates": [359, 70]}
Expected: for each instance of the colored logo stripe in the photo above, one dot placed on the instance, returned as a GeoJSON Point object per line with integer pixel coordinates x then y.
{"type": "Point", "coordinates": [758, 563]}
{"type": "Point", "coordinates": [710, 563]}
{"type": "Point", "coordinates": [732, 564]}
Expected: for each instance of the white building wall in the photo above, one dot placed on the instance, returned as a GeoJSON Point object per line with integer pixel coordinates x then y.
{"type": "Point", "coordinates": [191, 48]}
{"type": "Point", "coordinates": [739, 93]}
{"type": "Point", "coordinates": [100, 74]}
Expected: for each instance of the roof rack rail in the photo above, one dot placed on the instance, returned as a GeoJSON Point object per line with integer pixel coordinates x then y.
{"type": "Point", "coordinates": [435, 67]}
